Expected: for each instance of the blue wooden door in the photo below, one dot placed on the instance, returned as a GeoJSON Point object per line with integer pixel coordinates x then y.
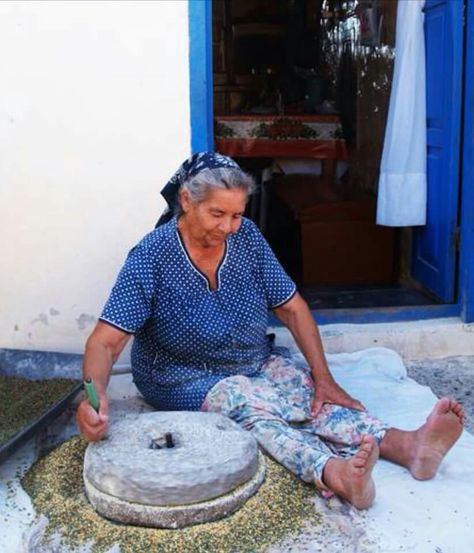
{"type": "Point", "coordinates": [435, 245]}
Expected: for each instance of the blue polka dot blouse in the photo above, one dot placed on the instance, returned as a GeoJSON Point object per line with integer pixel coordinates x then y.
{"type": "Point", "coordinates": [188, 336]}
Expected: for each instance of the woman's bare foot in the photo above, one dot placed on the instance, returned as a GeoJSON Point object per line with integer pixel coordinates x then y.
{"type": "Point", "coordinates": [436, 437]}
{"type": "Point", "coordinates": [352, 478]}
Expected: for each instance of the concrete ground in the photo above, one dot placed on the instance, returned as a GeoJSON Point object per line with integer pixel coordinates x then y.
{"type": "Point", "coordinates": [452, 376]}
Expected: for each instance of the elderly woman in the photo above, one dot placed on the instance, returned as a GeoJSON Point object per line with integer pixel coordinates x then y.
{"type": "Point", "coordinates": [195, 293]}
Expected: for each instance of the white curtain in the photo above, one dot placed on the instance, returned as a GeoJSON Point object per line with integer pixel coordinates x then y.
{"type": "Point", "coordinates": [402, 183]}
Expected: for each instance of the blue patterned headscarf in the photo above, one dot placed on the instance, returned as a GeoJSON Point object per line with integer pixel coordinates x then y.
{"type": "Point", "coordinates": [190, 168]}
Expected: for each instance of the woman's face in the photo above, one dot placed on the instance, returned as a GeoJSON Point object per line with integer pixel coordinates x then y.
{"type": "Point", "coordinates": [211, 221]}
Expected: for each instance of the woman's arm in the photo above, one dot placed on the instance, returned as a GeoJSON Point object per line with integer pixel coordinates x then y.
{"type": "Point", "coordinates": [103, 348]}
{"type": "Point", "coordinates": [295, 315]}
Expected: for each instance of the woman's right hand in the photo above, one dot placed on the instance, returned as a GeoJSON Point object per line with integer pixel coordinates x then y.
{"type": "Point", "coordinates": [92, 425]}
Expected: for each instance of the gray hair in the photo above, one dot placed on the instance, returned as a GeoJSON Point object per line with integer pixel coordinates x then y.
{"type": "Point", "coordinates": [219, 178]}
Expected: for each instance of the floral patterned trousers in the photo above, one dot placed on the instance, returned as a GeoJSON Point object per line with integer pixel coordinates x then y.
{"type": "Point", "coordinates": [275, 406]}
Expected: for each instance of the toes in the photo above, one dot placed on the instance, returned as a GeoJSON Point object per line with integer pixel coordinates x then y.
{"type": "Point", "coordinates": [458, 410]}
{"type": "Point", "coordinates": [362, 454]}
{"type": "Point", "coordinates": [365, 453]}
{"type": "Point", "coordinates": [366, 442]}
{"type": "Point", "coordinates": [367, 445]}
{"type": "Point", "coordinates": [366, 450]}
{"type": "Point", "coordinates": [443, 405]}
{"type": "Point", "coordinates": [359, 464]}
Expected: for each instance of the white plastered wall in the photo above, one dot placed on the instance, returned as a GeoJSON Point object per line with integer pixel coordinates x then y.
{"type": "Point", "coordinates": [94, 119]}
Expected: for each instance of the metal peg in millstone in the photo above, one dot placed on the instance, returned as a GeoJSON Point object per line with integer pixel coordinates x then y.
{"type": "Point", "coordinates": [169, 440]}
{"type": "Point", "coordinates": [165, 441]}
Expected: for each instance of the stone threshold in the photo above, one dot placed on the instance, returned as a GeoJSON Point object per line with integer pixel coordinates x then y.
{"type": "Point", "coordinates": [426, 339]}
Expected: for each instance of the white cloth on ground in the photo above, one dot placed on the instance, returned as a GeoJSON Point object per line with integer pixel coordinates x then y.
{"type": "Point", "coordinates": [409, 515]}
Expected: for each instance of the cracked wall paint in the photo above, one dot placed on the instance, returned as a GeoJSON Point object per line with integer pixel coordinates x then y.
{"type": "Point", "coordinates": [84, 320]}
{"type": "Point", "coordinates": [41, 318]}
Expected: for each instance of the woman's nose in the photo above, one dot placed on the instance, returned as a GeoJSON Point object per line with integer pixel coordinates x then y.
{"type": "Point", "coordinates": [225, 225]}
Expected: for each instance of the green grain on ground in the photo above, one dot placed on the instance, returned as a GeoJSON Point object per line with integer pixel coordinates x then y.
{"type": "Point", "coordinates": [279, 509]}
{"type": "Point", "coordinates": [23, 401]}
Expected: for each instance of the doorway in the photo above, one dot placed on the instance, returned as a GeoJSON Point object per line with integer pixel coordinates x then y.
{"type": "Point", "coordinates": [300, 97]}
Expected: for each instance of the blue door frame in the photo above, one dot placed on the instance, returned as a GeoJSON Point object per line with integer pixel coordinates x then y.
{"type": "Point", "coordinates": [434, 251]}
{"type": "Point", "coordinates": [202, 138]}
{"type": "Point", "coordinates": [200, 75]}
{"type": "Point", "coordinates": [466, 267]}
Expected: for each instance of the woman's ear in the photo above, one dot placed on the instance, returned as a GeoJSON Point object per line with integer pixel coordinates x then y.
{"type": "Point", "coordinates": [184, 200]}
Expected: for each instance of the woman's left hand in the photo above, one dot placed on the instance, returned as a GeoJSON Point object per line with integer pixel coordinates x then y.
{"type": "Point", "coordinates": [295, 314]}
{"type": "Point", "coordinates": [328, 391]}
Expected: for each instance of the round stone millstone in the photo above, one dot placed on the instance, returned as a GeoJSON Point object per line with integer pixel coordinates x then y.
{"type": "Point", "coordinates": [210, 470]}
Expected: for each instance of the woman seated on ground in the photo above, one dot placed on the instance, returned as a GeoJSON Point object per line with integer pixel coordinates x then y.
{"type": "Point", "coordinates": [195, 293]}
